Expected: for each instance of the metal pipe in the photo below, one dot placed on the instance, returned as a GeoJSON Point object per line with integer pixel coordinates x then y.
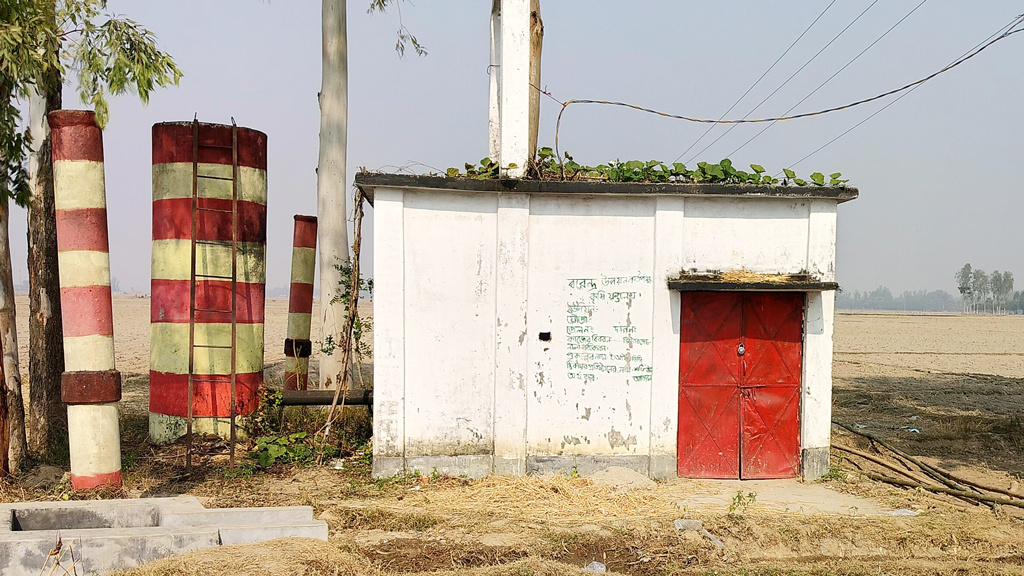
{"type": "Point", "coordinates": [90, 385]}
{"type": "Point", "coordinates": [323, 398]}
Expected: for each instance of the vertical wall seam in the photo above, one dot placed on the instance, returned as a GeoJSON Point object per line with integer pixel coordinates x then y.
{"type": "Point", "coordinates": [401, 207]}
{"type": "Point", "coordinates": [810, 232]}
{"type": "Point", "coordinates": [526, 326]}
{"type": "Point", "coordinates": [655, 273]}
{"type": "Point", "coordinates": [497, 323]}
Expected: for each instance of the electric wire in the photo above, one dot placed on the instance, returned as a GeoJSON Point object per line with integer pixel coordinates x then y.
{"type": "Point", "coordinates": [1003, 32]}
{"type": "Point", "coordinates": [829, 79]}
{"type": "Point", "coordinates": [758, 81]}
{"type": "Point", "coordinates": [971, 54]}
{"type": "Point", "coordinates": [781, 86]}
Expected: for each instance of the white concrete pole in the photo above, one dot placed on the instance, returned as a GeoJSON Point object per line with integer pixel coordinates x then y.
{"type": "Point", "coordinates": [332, 183]}
{"type": "Point", "coordinates": [494, 73]}
{"type": "Point", "coordinates": [515, 87]}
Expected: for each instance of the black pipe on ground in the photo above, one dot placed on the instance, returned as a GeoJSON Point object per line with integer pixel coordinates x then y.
{"type": "Point", "coordinates": [324, 398]}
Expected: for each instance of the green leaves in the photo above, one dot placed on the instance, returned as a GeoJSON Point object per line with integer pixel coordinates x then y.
{"type": "Point", "coordinates": [547, 167]}
{"type": "Point", "coordinates": [42, 42]}
{"type": "Point", "coordinates": [290, 448]}
{"type": "Point", "coordinates": [117, 57]}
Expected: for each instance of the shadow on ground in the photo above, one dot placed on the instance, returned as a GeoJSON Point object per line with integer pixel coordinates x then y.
{"type": "Point", "coordinates": [957, 419]}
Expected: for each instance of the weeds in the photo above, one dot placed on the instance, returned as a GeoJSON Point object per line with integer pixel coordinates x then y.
{"type": "Point", "coordinates": [547, 166]}
{"type": "Point", "coordinates": [741, 501]}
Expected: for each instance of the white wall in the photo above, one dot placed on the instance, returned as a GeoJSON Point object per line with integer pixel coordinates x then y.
{"type": "Point", "coordinates": [466, 283]}
{"type": "Point", "coordinates": [590, 286]}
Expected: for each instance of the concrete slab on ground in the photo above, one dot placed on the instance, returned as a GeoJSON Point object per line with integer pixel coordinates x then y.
{"type": "Point", "coordinates": [783, 495]}
{"type": "Point", "coordinates": [108, 535]}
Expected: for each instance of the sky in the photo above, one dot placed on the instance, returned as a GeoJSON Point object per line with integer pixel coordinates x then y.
{"type": "Point", "coordinates": [938, 172]}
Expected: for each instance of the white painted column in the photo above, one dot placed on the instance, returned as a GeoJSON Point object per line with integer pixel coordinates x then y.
{"type": "Point", "coordinates": [389, 332]}
{"type": "Point", "coordinates": [816, 396]}
{"type": "Point", "coordinates": [494, 74]}
{"type": "Point", "coordinates": [515, 87]}
{"type": "Point", "coordinates": [668, 262]}
{"type": "Point", "coordinates": [511, 359]}
{"type": "Point", "coordinates": [821, 240]}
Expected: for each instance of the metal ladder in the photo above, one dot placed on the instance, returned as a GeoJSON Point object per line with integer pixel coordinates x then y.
{"type": "Point", "coordinates": [233, 311]}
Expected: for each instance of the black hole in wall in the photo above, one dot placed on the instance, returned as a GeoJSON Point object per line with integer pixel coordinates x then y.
{"type": "Point", "coordinates": [545, 336]}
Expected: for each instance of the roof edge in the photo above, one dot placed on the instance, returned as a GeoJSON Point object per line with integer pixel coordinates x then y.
{"type": "Point", "coordinates": [367, 181]}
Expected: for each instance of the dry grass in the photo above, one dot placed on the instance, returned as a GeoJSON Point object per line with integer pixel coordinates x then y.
{"type": "Point", "coordinates": [283, 557]}
{"type": "Point", "coordinates": [556, 498]}
{"type": "Point", "coordinates": [746, 276]}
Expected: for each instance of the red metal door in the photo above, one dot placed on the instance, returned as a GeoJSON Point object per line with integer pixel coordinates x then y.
{"type": "Point", "coordinates": [739, 384]}
{"type": "Point", "coordinates": [770, 389]}
{"type": "Point", "coordinates": [709, 378]}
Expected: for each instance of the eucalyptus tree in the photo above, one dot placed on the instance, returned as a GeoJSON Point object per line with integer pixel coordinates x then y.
{"type": "Point", "coordinates": [44, 43]}
{"type": "Point", "coordinates": [965, 284]}
{"type": "Point", "coordinates": [982, 285]}
{"type": "Point", "coordinates": [332, 180]}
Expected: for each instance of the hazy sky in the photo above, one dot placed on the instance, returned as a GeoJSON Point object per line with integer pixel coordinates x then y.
{"type": "Point", "coordinates": [939, 172]}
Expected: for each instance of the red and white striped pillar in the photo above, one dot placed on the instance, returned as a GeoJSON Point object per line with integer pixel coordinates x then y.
{"type": "Point", "coordinates": [171, 277]}
{"type": "Point", "coordinates": [297, 347]}
{"type": "Point", "coordinates": [90, 385]}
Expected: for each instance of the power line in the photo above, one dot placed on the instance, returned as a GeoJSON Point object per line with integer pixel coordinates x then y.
{"type": "Point", "coordinates": [758, 81]}
{"type": "Point", "coordinates": [984, 46]}
{"type": "Point", "coordinates": [818, 53]}
{"type": "Point", "coordinates": [829, 79]}
{"type": "Point", "coordinates": [1003, 32]}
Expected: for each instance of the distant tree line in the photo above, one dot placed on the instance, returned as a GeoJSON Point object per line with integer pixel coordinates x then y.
{"type": "Point", "coordinates": [881, 298]}
{"type": "Point", "coordinates": [981, 292]}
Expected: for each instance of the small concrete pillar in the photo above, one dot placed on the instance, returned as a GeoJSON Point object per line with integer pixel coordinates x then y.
{"type": "Point", "coordinates": [297, 347]}
{"type": "Point", "coordinates": [90, 385]}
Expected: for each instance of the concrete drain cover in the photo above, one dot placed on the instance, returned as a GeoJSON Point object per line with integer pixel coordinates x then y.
{"type": "Point", "coordinates": [112, 535]}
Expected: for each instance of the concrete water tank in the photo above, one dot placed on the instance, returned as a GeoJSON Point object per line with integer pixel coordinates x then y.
{"type": "Point", "coordinates": [174, 160]}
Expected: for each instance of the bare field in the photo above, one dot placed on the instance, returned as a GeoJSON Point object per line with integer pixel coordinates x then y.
{"type": "Point", "coordinates": [950, 388]}
{"type": "Point", "coordinates": [131, 332]}
{"type": "Point", "coordinates": [947, 389]}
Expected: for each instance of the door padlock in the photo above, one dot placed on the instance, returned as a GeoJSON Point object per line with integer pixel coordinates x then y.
{"type": "Point", "coordinates": [741, 350]}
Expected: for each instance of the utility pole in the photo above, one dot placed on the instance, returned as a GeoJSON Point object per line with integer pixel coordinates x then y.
{"type": "Point", "coordinates": [518, 49]}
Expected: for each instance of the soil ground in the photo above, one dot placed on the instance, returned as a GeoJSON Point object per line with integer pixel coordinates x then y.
{"type": "Point", "coordinates": [947, 389]}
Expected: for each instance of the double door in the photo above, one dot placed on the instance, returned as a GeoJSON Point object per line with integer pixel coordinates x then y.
{"type": "Point", "coordinates": [739, 384]}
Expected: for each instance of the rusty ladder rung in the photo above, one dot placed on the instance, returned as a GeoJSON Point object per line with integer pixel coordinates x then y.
{"type": "Point", "coordinates": [233, 243]}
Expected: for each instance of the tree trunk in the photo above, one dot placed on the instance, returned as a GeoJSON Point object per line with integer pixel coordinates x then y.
{"type": "Point", "coordinates": [6, 321]}
{"type": "Point", "coordinates": [47, 416]}
{"type": "Point", "coordinates": [332, 183]}
{"type": "Point", "coordinates": [11, 376]}
{"type": "Point", "coordinates": [536, 45]}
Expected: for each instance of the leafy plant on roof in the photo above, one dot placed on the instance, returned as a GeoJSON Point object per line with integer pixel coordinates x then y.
{"type": "Point", "coordinates": [547, 166]}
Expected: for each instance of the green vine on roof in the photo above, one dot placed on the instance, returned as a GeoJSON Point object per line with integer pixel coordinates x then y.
{"type": "Point", "coordinates": [548, 167]}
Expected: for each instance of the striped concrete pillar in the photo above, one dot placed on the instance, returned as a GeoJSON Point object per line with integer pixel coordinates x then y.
{"type": "Point", "coordinates": [171, 276]}
{"type": "Point", "coordinates": [90, 385]}
{"type": "Point", "coordinates": [297, 346]}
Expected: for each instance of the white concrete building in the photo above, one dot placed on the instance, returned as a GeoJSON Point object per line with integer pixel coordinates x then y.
{"type": "Point", "coordinates": [531, 326]}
